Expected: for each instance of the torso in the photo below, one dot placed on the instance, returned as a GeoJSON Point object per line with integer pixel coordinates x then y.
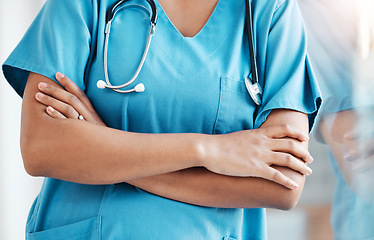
{"type": "Point", "coordinates": [179, 72]}
{"type": "Point", "coordinates": [188, 16]}
{"type": "Point", "coordinates": [194, 80]}
{"type": "Point", "coordinates": [193, 84]}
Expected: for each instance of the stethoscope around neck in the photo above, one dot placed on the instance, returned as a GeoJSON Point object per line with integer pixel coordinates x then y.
{"type": "Point", "coordinates": [109, 18]}
{"type": "Point", "coordinates": [252, 85]}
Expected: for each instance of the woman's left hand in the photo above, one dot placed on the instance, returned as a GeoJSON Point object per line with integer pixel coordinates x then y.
{"type": "Point", "coordinates": [69, 103]}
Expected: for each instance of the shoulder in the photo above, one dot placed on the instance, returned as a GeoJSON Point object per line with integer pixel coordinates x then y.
{"type": "Point", "coordinates": [73, 2]}
{"type": "Point", "coordinates": [280, 3]}
{"type": "Point", "coordinates": [72, 5]}
{"type": "Point", "coordinates": [70, 11]}
{"type": "Point", "coordinates": [265, 12]}
{"type": "Point", "coordinates": [271, 5]}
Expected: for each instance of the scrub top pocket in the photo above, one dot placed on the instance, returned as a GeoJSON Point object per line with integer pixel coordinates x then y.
{"type": "Point", "coordinates": [236, 108]}
{"type": "Point", "coordinates": [89, 229]}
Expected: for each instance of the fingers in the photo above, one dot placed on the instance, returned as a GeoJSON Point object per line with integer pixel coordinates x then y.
{"type": "Point", "coordinates": [62, 96]}
{"type": "Point", "coordinates": [64, 102]}
{"type": "Point", "coordinates": [358, 149]}
{"type": "Point", "coordinates": [73, 88]}
{"type": "Point", "coordinates": [292, 147]}
{"type": "Point", "coordinates": [65, 109]}
{"type": "Point", "coordinates": [287, 160]}
{"type": "Point", "coordinates": [86, 109]}
{"type": "Point", "coordinates": [54, 113]}
{"type": "Point", "coordinates": [67, 103]}
{"type": "Point", "coordinates": [278, 177]}
{"type": "Point", "coordinates": [284, 130]}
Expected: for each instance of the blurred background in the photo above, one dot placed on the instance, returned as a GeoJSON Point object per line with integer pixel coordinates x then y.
{"type": "Point", "coordinates": [17, 189]}
{"type": "Point", "coordinates": [338, 197]}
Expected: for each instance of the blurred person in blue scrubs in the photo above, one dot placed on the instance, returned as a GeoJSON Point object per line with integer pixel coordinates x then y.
{"type": "Point", "coordinates": [340, 43]}
{"type": "Point", "coordinates": [190, 157]}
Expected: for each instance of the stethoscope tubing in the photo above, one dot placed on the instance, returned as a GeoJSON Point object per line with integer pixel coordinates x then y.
{"type": "Point", "coordinates": [112, 11]}
{"type": "Point", "coordinates": [249, 23]}
{"type": "Point", "coordinates": [140, 66]}
{"type": "Point", "coordinates": [252, 85]}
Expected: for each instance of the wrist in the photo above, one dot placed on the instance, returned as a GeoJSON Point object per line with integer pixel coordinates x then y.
{"type": "Point", "coordinates": [202, 150]}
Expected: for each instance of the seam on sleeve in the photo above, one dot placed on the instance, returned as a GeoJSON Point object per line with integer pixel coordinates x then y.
{"type": "Point", "coordinates": [281, 5]}
{"type": "Point", "coordinates": [278, 7]}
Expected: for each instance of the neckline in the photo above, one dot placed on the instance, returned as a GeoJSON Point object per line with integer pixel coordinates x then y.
{"type": "Point", "coordinates": [211, 18]}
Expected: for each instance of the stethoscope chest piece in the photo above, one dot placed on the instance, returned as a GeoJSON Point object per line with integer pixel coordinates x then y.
{"type": "Point", "coordinates": [254, 90]}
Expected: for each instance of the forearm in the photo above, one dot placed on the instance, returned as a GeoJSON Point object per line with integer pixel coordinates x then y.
{"type": "Point", "coordinates": [109, 155]}
{"type": "Point", "coordinates": [200, 187]}
{"type": "Point", "coordinates": [82, 152]}
{"type": "Point", "coordinates": [334, 127]}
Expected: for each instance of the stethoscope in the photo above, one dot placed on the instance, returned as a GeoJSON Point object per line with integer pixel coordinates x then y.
{"type": "Point", "coordinates": [252, 85]}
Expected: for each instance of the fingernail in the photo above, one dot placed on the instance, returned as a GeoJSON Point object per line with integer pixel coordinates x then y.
{"type": "Point", "coordinates": [50, 109]}
{"type": "Point", "coordinates": [294, 185]}
{"type": "Point", "coordinates": [348, 135]}
{"type": "Point", "coordinates": [42, 86]}
{"type": "Point", "coordinates": [60, 75]}
{"type": "Point", "coordinates": [39, 95]}
{"type": "Point", "coordinates": [311, 159]}
{"type": "Point", "coordinates": [309, 171]}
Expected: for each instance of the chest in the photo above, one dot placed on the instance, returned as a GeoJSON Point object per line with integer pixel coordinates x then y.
{"type": "Point", "coordinates": [196, 11]}
{"type": "Point", "coordinates": [191, 84]}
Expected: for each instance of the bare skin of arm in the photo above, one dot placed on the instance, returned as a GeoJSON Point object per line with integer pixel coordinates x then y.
{"type": "Point", "coordinates": [342, 123]}
{"type": "Point", "coordinates": [87, 153]}
{"type": "Point", "coordinates": [201, 187]}
{"type": "Point", "coordinates": [349, 136]}
{"type": "Point", "coordinates": [52, 147]}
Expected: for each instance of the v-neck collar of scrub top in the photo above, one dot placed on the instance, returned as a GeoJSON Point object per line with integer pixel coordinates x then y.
{"type": "Point", "coordinates": [163, 14]}
{"type": "Point", "coordinates": [212, 32]}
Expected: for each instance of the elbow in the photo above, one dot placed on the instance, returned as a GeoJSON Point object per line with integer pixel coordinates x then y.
{"type": "Point", "coordinates": [31, 159]}
{"type": "Point", "coordinates": [289, 201]}
{"type": "Point", "coordinates": [32, 169]}
{"type": "Point", "coordinates": [284, 198]}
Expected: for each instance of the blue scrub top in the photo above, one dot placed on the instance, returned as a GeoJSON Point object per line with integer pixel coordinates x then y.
{"type": "Point", "coordinates": [193, 84]}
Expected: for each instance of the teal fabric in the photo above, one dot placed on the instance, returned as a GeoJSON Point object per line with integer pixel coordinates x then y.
{"type": "Point", "coordinates": [192, 85]}
{"type": "Point", "coordinates": [352, 213]}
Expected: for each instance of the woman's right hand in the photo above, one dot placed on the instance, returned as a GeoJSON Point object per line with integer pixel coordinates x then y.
{"type": "Point", "coordinates": [253, 153]}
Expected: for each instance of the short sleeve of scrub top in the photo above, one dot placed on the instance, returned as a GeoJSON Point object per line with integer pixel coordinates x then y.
{"type": "Point", "coordinates": [284, 68]}
{"type": "Point", "coordinates": [193, 85]}
{"type": "Point", "coordinates": [59, 39]}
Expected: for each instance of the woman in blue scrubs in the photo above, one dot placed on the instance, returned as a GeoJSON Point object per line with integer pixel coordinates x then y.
{"type": "Point", "coordinates": [192, 156]}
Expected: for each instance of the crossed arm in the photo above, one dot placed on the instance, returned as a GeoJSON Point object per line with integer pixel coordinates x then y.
{"type": "Point", "coordinates": [244, 169]}
{"type": "Point", "coordinates": [349, 136]}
